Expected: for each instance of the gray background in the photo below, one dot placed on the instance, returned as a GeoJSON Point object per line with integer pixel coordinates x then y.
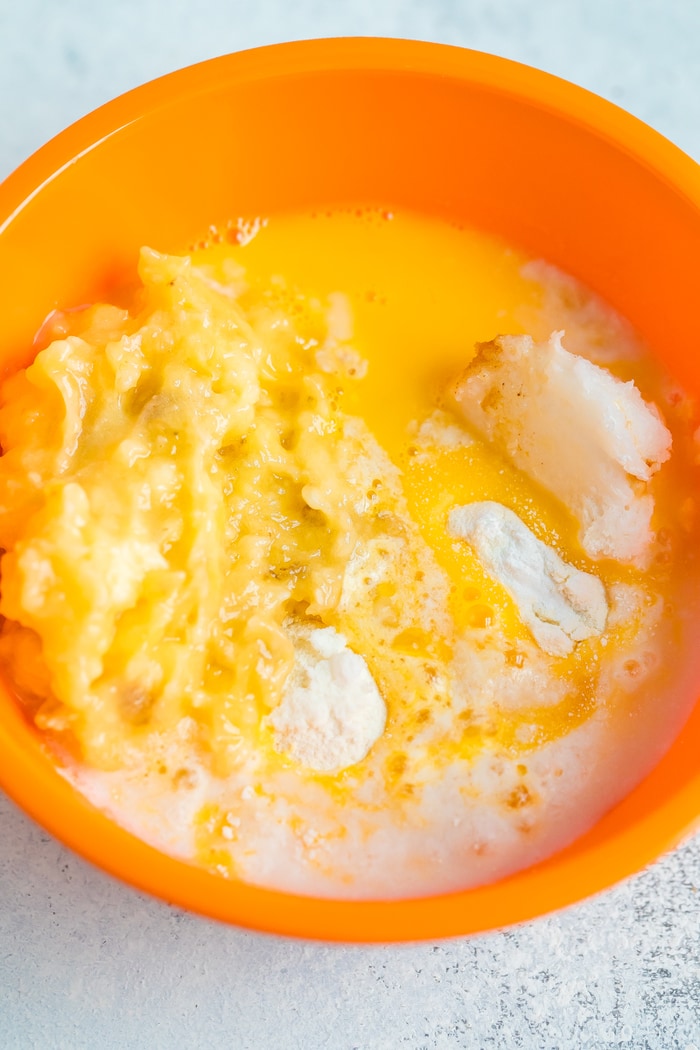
{"type": "Point", "coordinates": [85, 962]}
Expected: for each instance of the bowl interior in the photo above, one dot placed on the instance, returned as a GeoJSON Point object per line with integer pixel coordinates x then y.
{"type": "Point", "coordinates": [440, 130]}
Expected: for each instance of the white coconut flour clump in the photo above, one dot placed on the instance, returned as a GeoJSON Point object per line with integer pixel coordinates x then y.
{"type": "Point", "coordinates": [332, 711]}
{"type": "Point", "coordinates": [560, 604]}
{"type": "Point", "coordinates": [534, 400]}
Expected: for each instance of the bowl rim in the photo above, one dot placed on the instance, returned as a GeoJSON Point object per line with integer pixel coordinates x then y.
{"type": "Point", "coordinates": [519, 897]}
{"type": "Point", "coordinates": [496, 73]}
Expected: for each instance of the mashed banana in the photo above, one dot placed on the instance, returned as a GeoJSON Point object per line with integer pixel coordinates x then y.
{"type": "Point", "coordinates": [251, 638]}
{"type": "Point", "coordinates": [193, 483]}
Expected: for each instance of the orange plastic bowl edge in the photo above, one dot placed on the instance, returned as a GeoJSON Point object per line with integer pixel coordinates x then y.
{"type": "Point", "coordinates": [438, 129]}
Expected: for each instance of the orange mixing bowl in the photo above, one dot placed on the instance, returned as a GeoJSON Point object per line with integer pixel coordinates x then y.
{"type": "Point", "coordinates": [436, 129]}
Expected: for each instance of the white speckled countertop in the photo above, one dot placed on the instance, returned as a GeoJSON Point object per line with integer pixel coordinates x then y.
{"type": "Point", "coordinates": [87, 963]}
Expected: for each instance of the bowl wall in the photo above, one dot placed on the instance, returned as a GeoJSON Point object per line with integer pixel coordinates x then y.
{"type": "Point", "coordinates": [444, 131]}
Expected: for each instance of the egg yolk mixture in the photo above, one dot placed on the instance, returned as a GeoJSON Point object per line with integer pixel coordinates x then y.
{"type": "Point", "coordinates": [251, 591]}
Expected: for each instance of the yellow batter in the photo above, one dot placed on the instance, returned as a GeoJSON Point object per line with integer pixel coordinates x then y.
{"type": "Point", "coordinates": [182, 479]}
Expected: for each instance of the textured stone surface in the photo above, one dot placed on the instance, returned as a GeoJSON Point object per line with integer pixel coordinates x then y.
{"type": "Point", "coordinates": [87, 963]}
